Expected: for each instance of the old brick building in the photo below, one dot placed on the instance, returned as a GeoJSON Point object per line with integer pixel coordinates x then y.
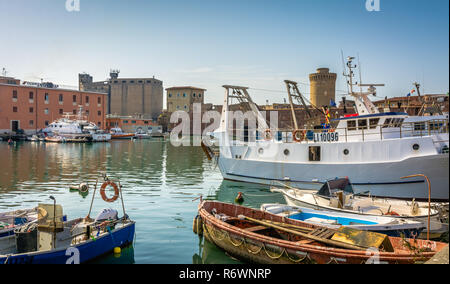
{"type": "Point", "coordinates": [33, 107]}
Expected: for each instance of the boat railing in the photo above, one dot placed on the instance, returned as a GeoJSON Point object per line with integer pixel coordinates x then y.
{"type": "Point", "coordinates": [357, 133]}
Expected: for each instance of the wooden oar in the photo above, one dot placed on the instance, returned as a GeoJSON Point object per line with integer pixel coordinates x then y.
{"type": "Point", "coordinates": [315, 238]}
{"type": "Point", "coordinates": [289, 226]}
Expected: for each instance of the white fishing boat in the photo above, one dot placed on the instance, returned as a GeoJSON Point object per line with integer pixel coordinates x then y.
{"type": "Point", "coordinates": [394, 227]}
{"type": "Point", "coordinates": [374, 149]}
{"type": "Point", "coordinates": [338, 196]}
{"type": "Point", "coordinates": [140, 134]}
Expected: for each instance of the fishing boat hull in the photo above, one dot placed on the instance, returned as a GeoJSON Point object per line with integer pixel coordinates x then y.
{"type": "Point", "coordinates": [382, 179]}
{"type": "Point", "coordinates": [384, 225]}
{"type": "Point", "coordinates": [257, 248]}
{"type": "Point", "coordinates": [87, 251]}
{"type": "Point", "coordinates": [436, 227]}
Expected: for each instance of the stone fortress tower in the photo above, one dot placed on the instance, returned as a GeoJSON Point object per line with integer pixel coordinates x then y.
{"type": "Point", "coordinates": [323, 87]}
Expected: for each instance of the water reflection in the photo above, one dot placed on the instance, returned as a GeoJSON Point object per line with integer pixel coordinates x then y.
{"type": "Point", "coordinates": [159, 184]}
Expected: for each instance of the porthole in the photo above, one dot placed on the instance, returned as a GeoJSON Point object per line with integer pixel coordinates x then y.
{"type": "Point", "coordinates": [286, 152]}
{"type": "Point", "coordinates": [416, 147]}
{"type": "Point", "coordinates": [346, 152]}
{"type": "Point", "coordinates": [261, 151]}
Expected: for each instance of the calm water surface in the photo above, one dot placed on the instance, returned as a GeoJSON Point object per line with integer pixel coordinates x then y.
{"type": "Point", "coordinates": [159, 182]}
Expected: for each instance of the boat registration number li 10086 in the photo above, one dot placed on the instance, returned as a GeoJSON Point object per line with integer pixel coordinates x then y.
{"type": "Point", "coordinates": [326, 137]}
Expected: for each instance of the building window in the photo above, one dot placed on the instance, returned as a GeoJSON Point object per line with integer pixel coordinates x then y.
{"type": "Point", "coordinates": [31, 110]}
{"type": "Point", "coordinates": [31, 95]}
{"type": "Point", "coordinates": [193, 95]}
{"type": "Point", "coordinates": [87, 99]}
{"type": "Point", "coordinates": [14, 109]}
{"type": "Point", "coordinates": [14, 94]}
{"type": "Point", "coordinates": [133, 121]}
{"type": "Point", "coordinates": [74, 111]}
{"type": "Point", "coordinates": [46, 97]}
{"type": "Point", "coordinates": [185, 106]}
{"type": "Point", "coordinates": [146, 122]}
{"type": "Point", "coordinates": [184, 95]}
{"type": "Point", "coordinates": [125, 121]}
{"type": "Point", "coordinates": [61, 98]}
{"type": "Point", "coordinates": [132, 82]}
{"type": "Point", "coordinates": [87, 112]}
{"type": "Point", "coordinates": [46, 123]}
{"type": "Point", "coordinates": [31, 122]}
{"type": "Point", "coordinates": [99, 124]}
{"type": "Point", "coordinates": [46, 111]}
{"type": "Point", "coordinates": [199, 95]}
{"type": "Point", "coordinates": [74, 98]}
{"type": "Point", "coordinates": [99, 113]}
{"type": "Point", "coordinates": [99, 100]}
{"type": "Point", "coordinates": [61, 111]}
{"type": "Point", "coordinates": [170, 95]}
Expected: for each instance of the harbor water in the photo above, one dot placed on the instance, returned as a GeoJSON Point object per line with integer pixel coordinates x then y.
{"type": "Point", "coordinates": [159, 182]}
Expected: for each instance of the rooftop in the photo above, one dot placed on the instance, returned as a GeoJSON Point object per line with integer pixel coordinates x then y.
{"type": "Point", "coordinates": [185, 87]}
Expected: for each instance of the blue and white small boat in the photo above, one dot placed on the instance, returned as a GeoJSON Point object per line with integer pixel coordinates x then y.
{"type": "Point", "coordinates": [52, 240]}
{"type": "Point", "coordinates": [394, 227]}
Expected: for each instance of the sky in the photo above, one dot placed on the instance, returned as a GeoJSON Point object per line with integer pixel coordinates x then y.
{"type": "Point", "coordinates": [210, 43]}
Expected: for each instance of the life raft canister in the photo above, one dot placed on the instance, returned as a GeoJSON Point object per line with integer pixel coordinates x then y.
{"type": "Point", "coordinates": [103, 191]}
{"type": "Point", "coordinates": [297, 137]}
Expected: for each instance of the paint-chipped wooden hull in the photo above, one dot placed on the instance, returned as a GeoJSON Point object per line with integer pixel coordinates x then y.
{"type": "Point", "coordinates": [259, 248]}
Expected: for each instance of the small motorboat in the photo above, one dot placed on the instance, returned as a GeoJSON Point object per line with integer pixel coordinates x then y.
{"type": "Point", "coordinates": [338, 196]}
{"type": "Point", "coordinates": [53, 240]}
{"type": "Point", "coordinates": [260, 237]}
{"type": "Point", "coordinates": [142, 135]}
{"type": "Point", "coordinates": [117, 133]}
{"type": "Point", "coordinates": [394, 227]}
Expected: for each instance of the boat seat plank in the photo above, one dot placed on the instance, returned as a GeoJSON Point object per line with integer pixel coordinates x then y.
{"type": "Point", "coordinates": [255, 229]}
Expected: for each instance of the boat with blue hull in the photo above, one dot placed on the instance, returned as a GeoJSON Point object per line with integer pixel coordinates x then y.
{"type": "Point", "coordinates": [53, 240]}
{"type": "Point", "coordinates": [82, 253]}
{"type": "Point", "coordinates": [394, 227]}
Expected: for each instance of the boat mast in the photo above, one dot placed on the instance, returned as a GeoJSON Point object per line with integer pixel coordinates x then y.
{"type": "Point", "coordinates": [364, 105]}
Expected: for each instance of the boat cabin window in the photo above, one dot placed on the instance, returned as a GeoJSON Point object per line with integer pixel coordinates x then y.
{"type": "Point", "coordinates": [314, 153]}
{"type": "Point", "coordinates": [387, 123]}
{"type": "Point", "coordinates": [397, 122]}
{"type": "Point", "coordinates": [418, 126]}
{"type": "Point", "coordinates": [362, 124]}
{"type": "Point", "coordinates": [351, 125]}
{"type": "Point", "coordinates": [373, 123]}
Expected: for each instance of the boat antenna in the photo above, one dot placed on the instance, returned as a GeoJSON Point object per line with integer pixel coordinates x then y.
{"type": "Point", "coordinates": [344, 72]}
{"type": "Point", "coordinates": [359, 68]}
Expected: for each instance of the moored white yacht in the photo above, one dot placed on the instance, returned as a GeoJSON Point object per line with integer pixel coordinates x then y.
{"type": "Point", "coordinates": [375, 150]}
{"type": "Point", "coordinates": [76, 128]}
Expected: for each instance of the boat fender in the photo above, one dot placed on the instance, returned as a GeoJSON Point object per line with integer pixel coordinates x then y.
{"type": "Point", "coordinates": [103, 191]}
{"type": "Point", "coordinates": [392, 213]}
{"type": "Point", "coordinates": [84, 188]}
{"type": "Point", "coordinates": [197, 227]}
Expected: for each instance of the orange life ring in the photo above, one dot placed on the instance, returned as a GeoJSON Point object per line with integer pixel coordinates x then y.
{"type": "Point", "coordinates": [302, 135]}
{"type": "Point", "coordinates": [103, 191]}
{"type": "Point", "coordinates": [268, 135]}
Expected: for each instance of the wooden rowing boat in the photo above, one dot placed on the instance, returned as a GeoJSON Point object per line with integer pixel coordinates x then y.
{"type": "Point", "coordinates": [260, 237]}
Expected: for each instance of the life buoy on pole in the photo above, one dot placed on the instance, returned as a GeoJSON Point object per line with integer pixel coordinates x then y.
{"type": "Point", "coordinates": [299, 135]}
{"type": "Point", "coordinates": [103, 191]}
{"type": "Point", "coordinates": [268, 135]}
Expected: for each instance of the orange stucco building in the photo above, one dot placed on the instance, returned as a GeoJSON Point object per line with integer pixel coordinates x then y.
{"type": "Point", "coordinates": [32, 108]}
